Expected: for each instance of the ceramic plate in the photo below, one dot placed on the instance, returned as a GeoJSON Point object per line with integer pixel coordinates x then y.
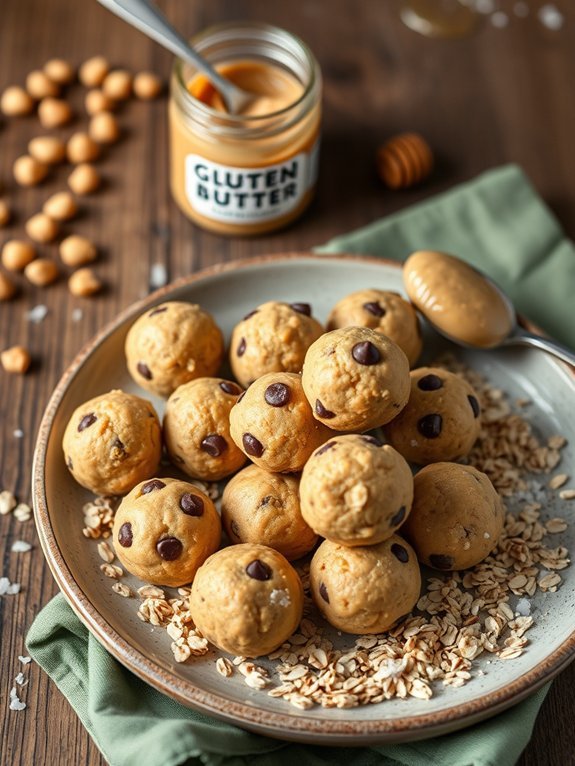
{"type": "Point", "coordinates": [229, 292]}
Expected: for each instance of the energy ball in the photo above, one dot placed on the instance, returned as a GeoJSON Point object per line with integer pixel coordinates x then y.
{"type": "Point", "coordinates": [355, 379]}
{"type": "Point", "coordinates": [113, 442]}
{"type": "Point", "coordinates": [441, 420]}
{"type": "Point", "coordinates": [197, 429]}
{"type": "Point", "coordinates": [172, 344]}
{"type": "Point", "coordinates": [354, 491]}
{"type": "Point", "coordinates": [247, 600]}
{"type": "Point", "coordinates": [164, 530]}
{"type": "Point", "coordinates": [263, 507]}
{"type": "Point", "coordinates": [274, 425]}
{"type": "Point", "coordinates": [457, 516]}
{"type": "Point", "coordinates": [383, 311]}
{"type": "Point", "coordinates": [272, 338]}
{"type": "Point", "coordinates": [365, 590]}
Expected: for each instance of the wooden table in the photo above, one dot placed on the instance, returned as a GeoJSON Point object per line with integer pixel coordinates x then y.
{"type": "Point", "coordinates": [498, 96]}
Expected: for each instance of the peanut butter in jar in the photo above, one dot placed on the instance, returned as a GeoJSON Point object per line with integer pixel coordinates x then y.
{"type": "Point", "coordinates": [254, 172]}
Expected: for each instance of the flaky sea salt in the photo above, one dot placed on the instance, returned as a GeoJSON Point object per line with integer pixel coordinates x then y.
{"type": "Point", "coordinates": [158, 276]}
{"type": "Point", "coordinates": [25, 660]}
{"type": "Point", "coordinates": [20, 680]}
{"type": "Point", "coordinates": [15, 702]}
{"type": "Point", "coordinates": [77, 315]}
{"type": "Point", "coordinates": [8, 588]}
{"type": "Point", "coordinates": [20, 546]}
{"type": "Point", "coordinates": [18, 433]}
{"type": "Point", "coordinates": [37, 314]}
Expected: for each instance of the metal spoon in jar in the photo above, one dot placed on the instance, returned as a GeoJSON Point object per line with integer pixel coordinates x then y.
{"type": "Point", "coordinates": [467, 307]}
{"type": "Point", "coordinates": [147, 18]}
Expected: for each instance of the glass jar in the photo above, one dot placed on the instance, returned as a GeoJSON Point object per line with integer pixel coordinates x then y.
{"type": "Point", "coordinates": [244, 174]}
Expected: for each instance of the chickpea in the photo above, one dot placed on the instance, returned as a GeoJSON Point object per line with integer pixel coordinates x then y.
{"type": "Point", "coordinates": [17, 254]}
{"type": "Point", "coordinates": [41, 272]}
{"type": "Point", "coordinates": [50, 150]}
{"type": "Point", "coordinates": [82, 148]}
{"type": "Point", "coordinates": [60, 71]}
{"type": "Point", "coordinates": [16, 359]}
{"type": "Point", "coordinates": [60, 206]}
{"type": "Point", "coordinates": [5, 213]}
{"type": "Point", "coordinates": [104, 128]}
{"type": "Point", "coordinates": [54, 112]}
{"type": "Point", "coordinates": [16, 102]}
{"type": "Point", "coordinates": [40, 86]}
{"type": "Point", "coordinates": [28, 171]}
{"type": "Point", "coordinates": [77, 251]}
{"type": "Point", "coordinates": [96, 102]}
{"type": "Point", "coordinates": [93, 71]}
{"type": "Point", "coordinates": [7, 288]}
{"type": "Point", "coordinates": [41, 228]}
{"type": "Point", "coordinates": [147, 85]}
{"type": "Point", "coordinates": [118, 85]}
{"type": "Point", "coordinates": [84, 283]}
{"type": "Point", "coordinates": [84, 179]}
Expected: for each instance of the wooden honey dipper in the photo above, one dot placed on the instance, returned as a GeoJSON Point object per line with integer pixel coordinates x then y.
{"type": "Point", "coordinates": [405, 160]}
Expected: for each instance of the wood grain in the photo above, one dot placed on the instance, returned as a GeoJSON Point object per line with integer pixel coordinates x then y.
{"type": "Point", "coordinates": [498, 96]}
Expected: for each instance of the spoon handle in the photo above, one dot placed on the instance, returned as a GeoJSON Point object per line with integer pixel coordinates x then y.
{"type": "Point", "coordinates": [524, 338]}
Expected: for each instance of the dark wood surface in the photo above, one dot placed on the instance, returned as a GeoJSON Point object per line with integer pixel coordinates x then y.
{"type": "Point", "coordinates": [495, 97]}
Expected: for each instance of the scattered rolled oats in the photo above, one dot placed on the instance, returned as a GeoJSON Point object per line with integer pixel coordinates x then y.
{"type": "Point", "coordinates": [20, 546]}
{"type": "Point", "coordinates": [122, 590]}
{"type": "Point", "coordinates": [7, 502]}
{"type": "Point", "coordinates": [224, 667]}
{"type": "Point", "coordinates": [106, 553]}
{"type": "Point", "coordinates": [557, 481]}
{"type": "Point", "coordinates": [151, 591]}
{"type": "Point", "coordinates": [99, 518]}
{"type": "Point", "coordinates": [112, 570]}
{"type": "Point", "coordinates": [567, 494]}
{"type": "Point", "coordinates": [22, 512]}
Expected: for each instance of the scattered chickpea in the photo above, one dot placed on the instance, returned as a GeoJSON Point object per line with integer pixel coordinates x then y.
{"type": "Point", "coordinates": [17, 254]}
{"type": "Point", "coordinates": [54, 112]}
{"type": "Point", "coordinates": [60, 71]}
{"type": "Point", "coordinates": [104, 128]}
{"type": "Point", "coordinates": [7, 288]}
{"type": "Point", "coordinates": [16, 359]}
{"type": "Point", "coordinates": [41, 228]}
{"type": "Point", "coordinates": [5, 213]}
{"type": "Point", "coordinates": [50, 150]}
{"type": "Point", "coordinates": [82, 148]}
{"type": "Point", "coordinates": [118, 85]}
{"type": "Point", "coordinates": [147, 85]}
{"type": "Point", "coordinates": [84, 283]}
{"type": "Point", "coordinates": [60, 206]}
{"type": "Point", "coordinates": [96, 102]}
{"type": "Point", "coordinates": [77, 251]}
{"type": "Point", "coordinates": [93, 71]}
{"type": "Point", "coordinates": [16, 102]}
{"type": "Point", "coordinates": [40, 86]}
{"type": "Point", "coordinates": [28, 171]}
{"type": "Point", "coordinates": [84, 179]}
{"type": "Point", "coordinates": [41, 272]}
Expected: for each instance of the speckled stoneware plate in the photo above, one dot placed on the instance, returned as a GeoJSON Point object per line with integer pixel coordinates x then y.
{"type": "Point", "coordinates": [229, 292]}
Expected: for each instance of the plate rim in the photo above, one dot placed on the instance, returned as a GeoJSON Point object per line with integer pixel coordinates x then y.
{"type": "Point", "coordinates": [292, 726]}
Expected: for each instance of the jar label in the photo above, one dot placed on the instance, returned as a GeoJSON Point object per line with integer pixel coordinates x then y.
{"type": "Point", "coordinates": [249, 195]}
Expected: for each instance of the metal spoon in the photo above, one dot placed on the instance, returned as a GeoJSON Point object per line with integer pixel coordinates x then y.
{"type": "Point", "coordinates": [147, 18]}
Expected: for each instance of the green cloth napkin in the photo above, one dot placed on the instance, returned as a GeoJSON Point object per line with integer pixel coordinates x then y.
{"type": "Point", "coordinates": [499, 224]}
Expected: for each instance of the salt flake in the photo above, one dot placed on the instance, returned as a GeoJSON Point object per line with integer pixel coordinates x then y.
{"type": "Point", "coordinates": [20, 546]}
{"type": "Point", "coordinates": [24, 660]}
{"type": "Point", "coordinates": [158, 276]}
{"type": "Point", "coordinates": [18, 433]}
{"type": "Point", "coordinates": [37, 314]}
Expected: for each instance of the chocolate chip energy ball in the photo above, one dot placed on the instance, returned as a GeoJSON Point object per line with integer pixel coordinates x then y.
{"type": "Point", "coordinates": [272, 338]}
{"type": "Point", "coordinates": [441, 420]}
{"type": "Point", "coordinates": [197, 429]}
{"type": "Point", "coordinates": [457, 516]}
{"type": "Point", "coordinates": [383, 311]}
{"type": "Point", "coordinates": [171, 344]}
{"type": "Point", "coordinates": [263, 507]}
{"type": "Point", "coordinates": [274, 425]}
{"type": "Point", "coordinates": [247, 600]}
{"type": "Point", "coordinates": [355, 379]}
{"type": "Point", "coordinates": [164, 530]}
{"type": "Point", "coordinates": [113, 442]}
{"type": "Point", "coordinates": [354, 491]}
{"type": "Point", "coordinates": [365, 590]}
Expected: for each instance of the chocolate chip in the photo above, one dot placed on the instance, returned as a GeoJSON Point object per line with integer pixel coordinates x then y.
{"type": "Point", "coordinates": [474, 405]}
{"type": "Point", "coordinates": [439, 561]}
{"type": "Point", "coordinates": [70, 464]}
{"type": "Point", "coordinates": [152, 485]}
{"type": "Point", "coordinates": [365, 353]}
{"type": "Point", "coordinates": [250, 314]}
{"type": "Point", "coordinates": [169, 548]}
{"type": "Point", "coordinates": [371, 440]}
{"type": "Point", "coordinates": [430, 426]}
{"type": "Point", "coordinates": [230, 388]}
{"type": "Point", "coordinates": [240, 397]}
{"type": "Point", "coordinates": [398, 518]}
{"type": "Point", "coordinates": [125, 535]}
{"type": "Point", "coordinates": [257, 570]}
{"type": "Point", "coordinates": [400, 553]}
{"type": "Point", "coordinates": [144, 370]}
{"type": "Point", "coordinates": [159, 310]}
{"type": "Point", "coordinates": [87, 421]}
{"type": "Point", "coordinates": [192, 505]}
{"type": "Point", "coordinates": [235, 529]}
{"type": "Point", "coordinates": [324, 448]}
{"type": "Point", "coordinates": [277, 395]}
{"type": "Point", "coordinates": [322, 412]}
{"type": "Point", "coordinates": [301, 308]}
{"type": "Point", "coordinates": [252, 445]}
{"type": "Point", "coordinates": [430, 382]}
{"type": "Point", "coordinates": [266, 500]}
{"type": "Point", "coordinates": [323, 592]}
{"type": "Point", "coordinates": [214, 445]}
{"type": "Point", "coordinates": [374, 308]}
{"type": "Point", "coordinates": [241, 349]}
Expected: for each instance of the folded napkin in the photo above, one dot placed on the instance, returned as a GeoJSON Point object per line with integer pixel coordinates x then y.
{"type": "Point", "coordinates": [498, 223]}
